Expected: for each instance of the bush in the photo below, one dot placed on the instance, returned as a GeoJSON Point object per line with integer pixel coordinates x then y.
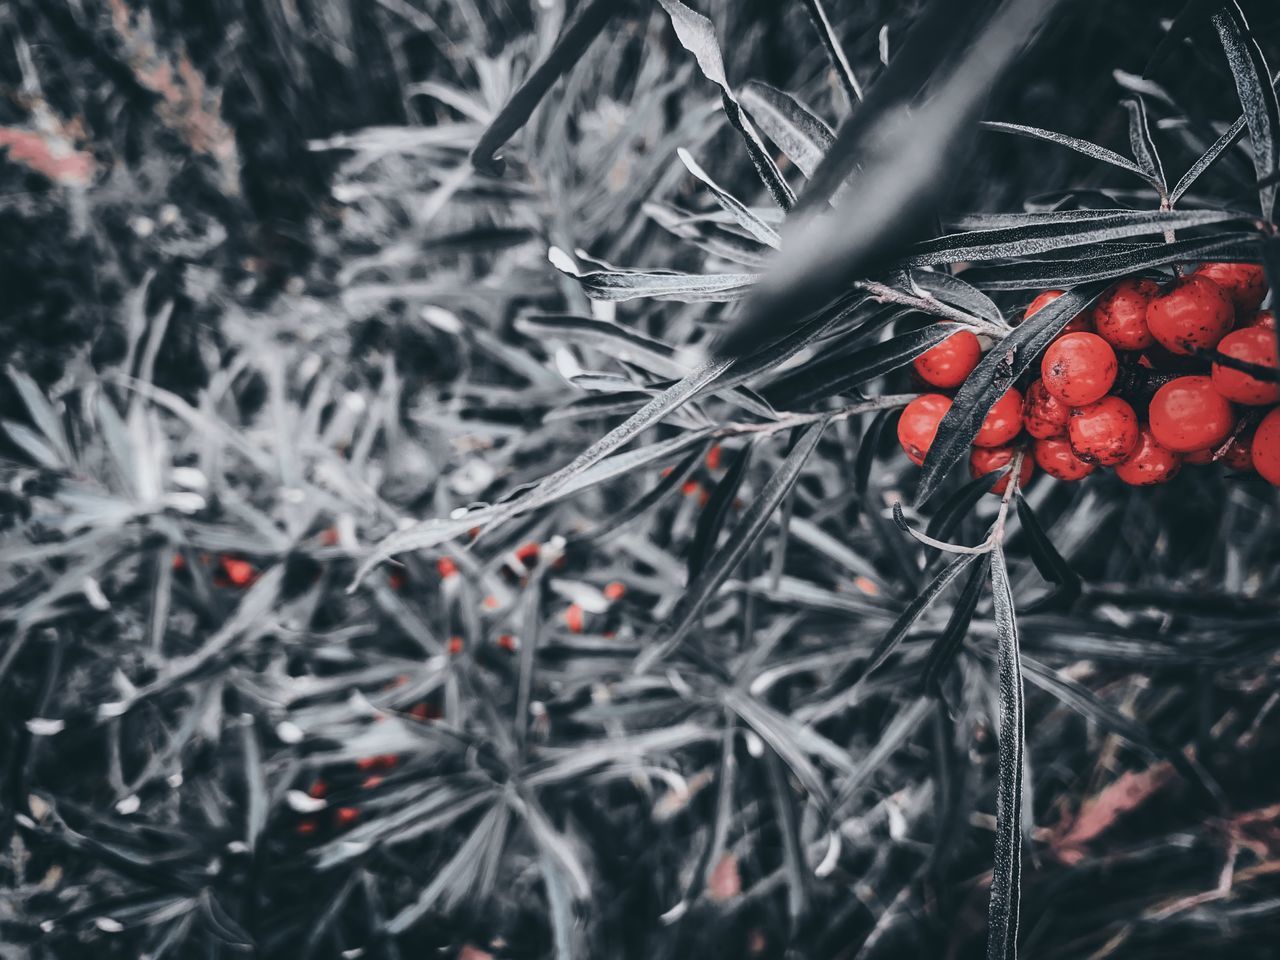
{"type": "Point", "coordinates": [452, 503]}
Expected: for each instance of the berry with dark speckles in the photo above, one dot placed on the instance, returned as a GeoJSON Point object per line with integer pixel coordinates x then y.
{"type": "Point", "coordinates": [1104, 432]}
{"type": "Point", "coordinates": [1057, 459]}
{"type": "Point", "coordinates": [1120, 315]}
{"type": "Point", "coordinates": [1079, 368]}
{"type": "Point", "coordinates": [1191, 313]}
{"type": "Point", "coordinates": [1003, 421]}
{"type": "Point", "coordinates": [1245, 283]}
{"type": "Point", "coordinates": [1255, 345]}
{"type": "Point", "coordinates": [1187, 414]}
{"type": "Point", "coordinates": [1149, 463]}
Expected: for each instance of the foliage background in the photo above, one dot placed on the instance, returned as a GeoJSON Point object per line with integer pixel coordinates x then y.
{"type": "Point", "coordinates": [259, 307]}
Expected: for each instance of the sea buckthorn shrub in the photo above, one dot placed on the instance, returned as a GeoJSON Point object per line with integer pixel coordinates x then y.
{"type": "Point", "coordinates": [528, 479]}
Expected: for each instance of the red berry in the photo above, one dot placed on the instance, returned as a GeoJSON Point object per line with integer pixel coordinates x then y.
{"type": "Point", "coordinates": [1263, 318]}
{"type": "Point", "coordinates": [950, 362]}
{"type": "Point", "coordinates": [1104, 432]}
{"type": "Point", "coordinates": [446, 568]}
{"type": "Point", "coordinates": [615, 590]}
{"type": "Point", "coordinates": [1040, 302]}
{"type": "Point", "coordinates": [1043, 414]}
{"type": "Point", "coordinates": [984, 460]}
{"type": "Point", "coordinates": [1079, 368]}
{"type": "Point", "coordinates": [1057, 459]}
{"type": "Point", "coordinates": [713, 458]}
{"type": "Point", "coordinates": [527, 554]}
{"type": "Point", "coordinates": [1149, 462]}
{"type": "Point", "coordinates": [1003, 421]}
{"type": "Point", "coordinates": [455, 646]}
{"type": "Point", "coordinates": [919, 424]}
{"type": "Point", "coordinates": [1187, 414]}
{"type": "Point", "coordinates": [239, 573]}
{"type": "Point", "coordinates": [1120, 315]}
{"type": "Point", "coordinates": [1238, 455]}
{"type": "Point", "coordinates": [574, 618]}
{"type": "Point", "coordinates": [1265, 449]}
{"type": "Point", "coordinates": [1245, 283]}
{"type": "Point", "coordinates": [345, 816]}
{"type": "Point", "coordinates": [1256, 345]}
{"type": "Point", "coordinates": [1190, 313]}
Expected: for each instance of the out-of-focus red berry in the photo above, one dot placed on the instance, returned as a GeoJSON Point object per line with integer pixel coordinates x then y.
{"type": "Point", "coordinates": [1191, 313]}
{"type": "Point", "coordinates": [238, 573]}
{"type": "Point", "coordinates": [1245, 283]}
{"type": "Point", "coordinates": [1003, 421]}
{"type": "Point", "coordinates": [1239, 455]}
{"type": "Point", "coordinates": [318, 789]}
{"type": "Point", "coordinates": [574, 618]}
{"type": "Point", "coordinates": [1187, 414]}
{"type": "Point", "coordinates": [713, 458]}
{"type": "Point", "coordinates": [615, 590]}
{"type": "Point", "coordinates": [1043, 415]}
{"type": "Point", "coordinates": [1078, 368]}
{"type": "Point", "coordinates": [918, 424]}
{"type": "Point", "coordinates": [446, 568]}
{"type": "Point", "coordinates": [345, 816]}
{"type": "Point", "coordinates": [1149, 463]}
{"type": "Point", "coordinates": [527, 553]}
{"type": "Point", "coordinates": [1105, 432]}
{"type": "Point", "coordinates": [984, 460]}
{"type": "Point", "coordinates": [1120, 315]}
{"type": "Point", "coordinates": [397, 580]}
{"type": "Point", "coordinates": [507, 642]}
{"type": "Point", "coordinates": [455, 646]}
{"type": "Point", "coordinates": [1265, 448]}
{"type": "Point", "coordinates": [1057, 459]}
{"type": "Point", "coordinates": [1255, 345]}
{"type": "Point", "coordinates": [950, 362]}
{"type": "Point", "coordinates": [1265, 319]}
{"type": "Point", "coordinates": [306, 827]}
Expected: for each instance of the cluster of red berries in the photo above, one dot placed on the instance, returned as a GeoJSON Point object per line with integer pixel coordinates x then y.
{"type": "Point", "coordinates": [1131, 384]}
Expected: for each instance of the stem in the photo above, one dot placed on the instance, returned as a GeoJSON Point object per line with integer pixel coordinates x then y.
{"type": "Point", "coordinates": [933, 306]}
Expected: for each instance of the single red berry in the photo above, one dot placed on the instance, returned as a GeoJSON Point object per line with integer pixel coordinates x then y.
{"type": "Point", "coordinates": [455, 646]}
{"type": "Point", "coordinates": [984, 460]}
{"type": "Point", "coordinates": [397, 580]}
{"type": "Point", "coordinates": [345, 816]}
{"type": "Point", "coordinates": [1188, 414]}
{"type": "Point", "coordinates": [1245, 283]}
{"type": "Point", "coordinates": [1043, 414]}
{"type": "Point", "coordinates": [950, 362]}
{"type": "Point", "coordinates": [1079, 368]}
{"type": "Point", "coordinates": [1238, 455]}
{"type": "Point", "coordinates": [691, 488]}
{"type": "Point", "coordinates": [574, 618]}
{"type": "Point", "coordinates": [713, 458]}
{"type": "Point", "coordinates": [1040, 302]}
{"type": "Point", "coordinates": [507, 642]}
{"type": "Point", "coordinates": [1003, 421]}
{"type": "Point", "coordinates": [371, 782]}
{"type": "Point", "coordinates": [446, 568]}
{"type": "Point", "coordinates": [1191, 313]}
{"type": "Point", "coordinates": [1057, 459]}
{"type": "Point", "coordinates": [919, 424]}
{"type": "Point", "coordinates": [1149, 463]}
{"type": "Point", "coordinates": [1120, 315]}
{"type": "Point", "coordinates": [306, 827]}
{"type": "Point", "coordinates": [318, 789]}
{"type": "Point", "coordinates": [1104, 432]}
{"type": "Point", "coordinates": [1265, 449]}
{"type": "Point", "coordinates": [1255, 345]}
{"type": "Point", "coordinates": [239, 573]}
{"type": "Point", "coordinates": [329, 537]}
{"type": "Point", "coordinates": [527, 553]}
{"type": "Point", "coordinates": [615, 590]}
{"type": "Point", "coordinates": [1266, 319]}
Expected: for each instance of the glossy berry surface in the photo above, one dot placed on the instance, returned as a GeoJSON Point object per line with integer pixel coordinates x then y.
{"type": "Point", "coordinates": [1057, 459]}
{"type": "Point", "coordinates": [1245, 283]}
{"type": "Point", "coordinates": [1265, 449]}
{"type": "Point", "coordinates": [919, 424]}
{"type": "Point", "coordinates": [1187, 414]}
{"type": "Point", "coordinates": [1003, 421]}
{"type": "Point", "coordinates": [1265, 319]}
{"type": "Point", "coordinates": [984, 460]}
{"type": "Point", "coordinates": [947, 364]}
{"type": "Point", "coordinates": [1078, 368]}
{"type": "Point", "coordinates": [1120, 315]}
{"type": "Point", "coordinates": [1104, 432]}
{"type": "Point", "coordinates": [1255, 345]}
{"type": "Point", "coordinates": [1190, 314]}
{"type": "Point", "coordinates": [1149, 463]}
{"type": "Point", "coordinates": [1044, 415]}
{"type": "Point", "coordinates": [1039, 303]}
